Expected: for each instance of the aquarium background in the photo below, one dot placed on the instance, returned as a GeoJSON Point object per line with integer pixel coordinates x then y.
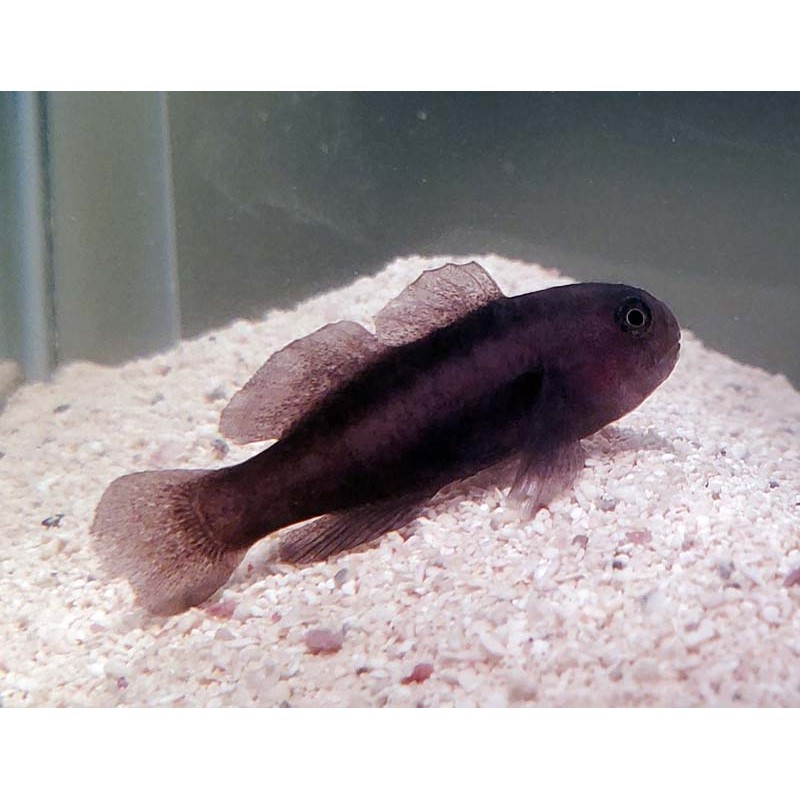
{"type": "Point", "coordinates": [129, 220]}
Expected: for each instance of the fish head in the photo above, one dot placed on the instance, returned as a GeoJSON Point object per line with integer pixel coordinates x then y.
{"type": "Point", "coordinates": [619, 344]}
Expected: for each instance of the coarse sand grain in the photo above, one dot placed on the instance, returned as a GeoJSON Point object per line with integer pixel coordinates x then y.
{"type": "Point", "coordinates": [669, 575]}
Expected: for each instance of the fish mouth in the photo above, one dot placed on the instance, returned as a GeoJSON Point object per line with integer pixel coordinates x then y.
{"type": "Point", "coordinates": [674, 351]}
{"type": "Point", "coordinates": [670, 358]}
{"type": "Point", "coordinates": [664, 363]}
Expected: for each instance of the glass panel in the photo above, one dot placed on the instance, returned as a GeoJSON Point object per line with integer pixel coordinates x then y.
{"type": "Point", "coordinates": [113, 245]}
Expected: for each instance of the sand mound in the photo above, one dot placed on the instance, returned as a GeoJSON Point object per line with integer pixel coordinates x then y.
{"type": "Point", "coordinates": [669, 576]}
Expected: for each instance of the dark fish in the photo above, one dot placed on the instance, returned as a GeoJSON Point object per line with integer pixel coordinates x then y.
{"type": "Point", "coordinates": [370, 426]}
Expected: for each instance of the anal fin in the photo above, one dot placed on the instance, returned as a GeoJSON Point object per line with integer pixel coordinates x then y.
{"type": "Point", "coordinates": [334, 533]}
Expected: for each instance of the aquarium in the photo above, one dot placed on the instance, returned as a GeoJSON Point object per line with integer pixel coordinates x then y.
{"type": "Point", "coordinates": [545, 500]}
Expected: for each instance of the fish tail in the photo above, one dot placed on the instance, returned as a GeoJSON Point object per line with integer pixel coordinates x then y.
{"type": "Point", "coordinates": [149, 528]}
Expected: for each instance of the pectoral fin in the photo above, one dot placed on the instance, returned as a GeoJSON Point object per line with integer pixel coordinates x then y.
{"type": "Point", "coordinates": [550, 455]}
{"type": "Point", "coordinates": [544, 473]}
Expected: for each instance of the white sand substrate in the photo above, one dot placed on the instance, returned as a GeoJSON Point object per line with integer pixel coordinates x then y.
{"type": "Point", "coordinates": [670, 575]}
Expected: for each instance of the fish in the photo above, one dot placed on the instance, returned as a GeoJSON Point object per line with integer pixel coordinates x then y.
{"type": "Point", "coordinates": [368, 427]}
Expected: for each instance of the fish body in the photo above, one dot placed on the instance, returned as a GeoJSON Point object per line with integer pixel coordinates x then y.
{"type": "Point", "coordinates": [369, 426]}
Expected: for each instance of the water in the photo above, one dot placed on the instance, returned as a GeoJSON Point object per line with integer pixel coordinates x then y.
{"type": "Point", "coordinates": [691, 195]}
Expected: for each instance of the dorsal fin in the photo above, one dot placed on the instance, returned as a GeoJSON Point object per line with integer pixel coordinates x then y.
{"type": "Point", "coordinates": [298, 377]}
{"type": "Point", "coordinates": [435, 299]}
{"type": "Point", "coordinates": [295, 379]}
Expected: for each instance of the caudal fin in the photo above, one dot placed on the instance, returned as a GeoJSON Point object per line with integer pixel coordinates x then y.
{"type": "Point", "coordinates": [147, 529]}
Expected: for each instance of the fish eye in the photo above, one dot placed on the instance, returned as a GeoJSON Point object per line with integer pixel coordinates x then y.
{"type": "Point", "coordinates": [634, 316]}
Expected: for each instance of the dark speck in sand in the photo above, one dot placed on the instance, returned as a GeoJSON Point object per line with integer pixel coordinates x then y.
{"type": "Point", "coordinates": [638, 537]}
{"type": "Point", "coordinates": [53, 521]}
{"type": "Point", "coordinates": [61, 409]}
{"type": "Point", "coordinates": [218, 393]}
{"type": "Point", "coordinates": [340, 578]}
{"type": "Point", "coordinates": [792, 578]}
{"type": "Point", "coordinates": [220, 448]}
{"type": "Point", "coordinates": [324, 640]}
{"type": "Point", "coordinates": [725, 569]}
{"type": "Point", "coordinates": [222, 610]}
{"type": "Point", "coordinates": [607, 503]}
{"type": "Point", "coordinates": [420, 673]}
